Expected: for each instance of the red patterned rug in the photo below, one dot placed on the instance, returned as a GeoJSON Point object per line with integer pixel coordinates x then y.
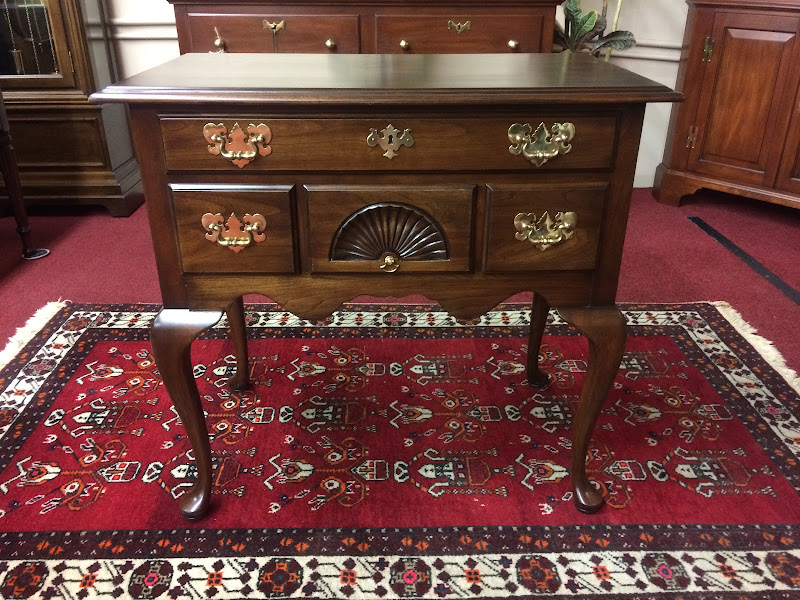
{"type": "Point", "coordinates": [392, 452]}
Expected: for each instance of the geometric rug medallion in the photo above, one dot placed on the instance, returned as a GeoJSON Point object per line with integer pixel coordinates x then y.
{"type": "Point", "coordinates": [393, 452]}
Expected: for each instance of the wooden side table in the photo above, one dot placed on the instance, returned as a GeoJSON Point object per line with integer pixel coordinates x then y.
{"type": "Point", "coordinates": [312, 179]}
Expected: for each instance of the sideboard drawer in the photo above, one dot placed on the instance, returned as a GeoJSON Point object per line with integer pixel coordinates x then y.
{"type": "Point", "coordinates": [465, 144]}
{"type": "Point", "coordinates": [244, 31]}
{"type": "Point", "coordinates": [420, 228]}
{"type": "Point", "coordinates": [575, 247]}
{"type": "Point", "coordinates": [227, 204]}
{"type": "Point", "coordinates": [458, 32]}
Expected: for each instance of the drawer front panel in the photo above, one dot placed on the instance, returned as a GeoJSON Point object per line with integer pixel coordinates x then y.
{"type": "Point", "coordinates": [199, 254]}
{"type": "Point", "coordinates": [458, 33]}
{"type": "Point", "coordinates": [342, 144]}
{"type": "Point", "coordinates": [565, 248]}
{"type": "Point", "coordinates": [421, 228]}
{"type": "Point", "coordinates": [313, 33]}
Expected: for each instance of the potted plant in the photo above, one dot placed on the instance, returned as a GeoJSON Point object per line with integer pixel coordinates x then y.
{"type": "Point", "coordinates": [586, 32]}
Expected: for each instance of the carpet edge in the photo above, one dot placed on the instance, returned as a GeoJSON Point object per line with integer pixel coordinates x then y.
{"type": "Point", "coordinates": [764, 346]}
{"type": "Point", "coordinates": [32, 326]}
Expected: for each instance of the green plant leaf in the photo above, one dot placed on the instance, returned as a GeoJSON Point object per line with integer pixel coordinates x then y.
{"type": "Point", "coordinates": [583, 28]}
{"type": "Point", "coordinates": [600, 26]}
{"type": "Point", "coordinates": [618, 40]}
{"type": "Point", "coordinates": [572, 12]}
{"type": "Point", "coordinates": [597, 30]}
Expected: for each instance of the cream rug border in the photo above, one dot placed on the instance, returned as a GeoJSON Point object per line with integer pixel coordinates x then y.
{"type": "Point", "coordinates": [26, 333]}
{"type": "Point", "coordinates": [764, 347]}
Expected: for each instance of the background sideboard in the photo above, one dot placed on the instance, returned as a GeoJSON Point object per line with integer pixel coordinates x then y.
{"type": "Point", "coordinates": [319, 26]}
{"type": "Point", "coordinates": [739, 129]}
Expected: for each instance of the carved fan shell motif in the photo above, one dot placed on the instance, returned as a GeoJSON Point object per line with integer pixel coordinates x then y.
{"type": "Point", "coordinates": [378, 229]}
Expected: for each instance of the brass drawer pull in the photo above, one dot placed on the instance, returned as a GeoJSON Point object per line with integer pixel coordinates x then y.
{"type": "Point", "coordinates": [459, 28]}
{"type": "Point", "coordinates": [391, 262]}
{"type": "Point", "coordinates": [545, 232]}
{"type": "Point", "coordinates": [219, 41]}
{"type": "Point", "coordinates": [330, 44]}
{"type": "Point", "coordinates": [233, 233]}
{"type": "Point", "coordinates": [275, 27]}
{"type": "Point", "coordinates": [513, 44]}
{"type": "Point", "coordinates": [404, 45]}
{"type": "Point", "coordinates": [542, 145]}
{"type": "Point", "coordinates": [390, 140]}
{"type": "Point", "coordinates": [237, 146]}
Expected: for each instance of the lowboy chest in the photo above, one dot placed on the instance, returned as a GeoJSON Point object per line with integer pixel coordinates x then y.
{"type": "Point", "coordinates": [312, 179]}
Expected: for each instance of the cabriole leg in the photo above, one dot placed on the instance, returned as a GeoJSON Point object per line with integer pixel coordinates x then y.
{"type": "Point", "coordinates": [605, 328]}
{"type": "Point", "coordinates": [171, 337]}
{"type": "Point", "coordinates": [236, 322]}
{"type": "Point", "coordinates": [539, 310]}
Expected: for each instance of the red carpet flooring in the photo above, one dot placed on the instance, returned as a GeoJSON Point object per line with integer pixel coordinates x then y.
{"type": "Point", "coordinates": [668, 258]}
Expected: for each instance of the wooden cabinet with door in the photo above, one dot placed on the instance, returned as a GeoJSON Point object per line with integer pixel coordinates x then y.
{"type": "Point", "coordinates": [372, 26]}
{"type": "Point", "coordinates": [739, 129]}
{"type": "Point", "coordinates": [69, 151]}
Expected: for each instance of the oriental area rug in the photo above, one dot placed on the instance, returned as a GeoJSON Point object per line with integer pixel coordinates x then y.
{"type": "Point", "coordinates": [393, 452]}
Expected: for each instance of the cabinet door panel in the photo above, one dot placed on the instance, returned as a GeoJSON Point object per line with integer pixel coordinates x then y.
{"type": "Point", "coordinates": [789, 170]}
{"type": "Point", "coordinates": [739, 116]}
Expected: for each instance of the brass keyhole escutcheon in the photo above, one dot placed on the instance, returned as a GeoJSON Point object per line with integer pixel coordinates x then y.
{"type": "Point", "coordinates": [390, 139]}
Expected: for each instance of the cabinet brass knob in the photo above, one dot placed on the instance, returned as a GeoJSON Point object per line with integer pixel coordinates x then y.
{"type": "Point", "coordinates": [513, 44]}
{"type": "Point", "coordinates": [404, 45]}
{"type": "Point", "coordinates": [219, 41]}
{"type": "Point", "coordinates": [330, 44]}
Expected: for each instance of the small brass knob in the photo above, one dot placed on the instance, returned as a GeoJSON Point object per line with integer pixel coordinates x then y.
{"type": "Point", "coordinates": [513, 44]}
{"type": "Point", "coordinates": [391, 262]}
{"type": "Point", "coordinates": [330, 44]}
{"type": "Point", "coordinates": [404, 45]}
{"type": "Point", "coordinates": [219, 42]}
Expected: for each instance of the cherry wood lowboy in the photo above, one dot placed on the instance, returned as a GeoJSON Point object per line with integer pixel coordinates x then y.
{"type": "Point", "coordinates": [312, 179]}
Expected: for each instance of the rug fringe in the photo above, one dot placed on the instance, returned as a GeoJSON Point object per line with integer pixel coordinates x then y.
{"type": "Point", "coordinates": [761, 344]}
{"type": "Point", "coordinates": [25, 333]}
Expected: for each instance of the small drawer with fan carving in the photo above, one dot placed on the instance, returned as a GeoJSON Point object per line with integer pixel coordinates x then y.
{"type": "Point", "coordinates": [390, 228]}
{"type": "Point", "coordinates": [234, 228]}
{"type": "Point", "coordinates": [538, 227]}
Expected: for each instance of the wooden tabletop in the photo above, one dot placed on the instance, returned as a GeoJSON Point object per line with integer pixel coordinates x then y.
{"type": "Point", "coordinates": [407, 79]}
